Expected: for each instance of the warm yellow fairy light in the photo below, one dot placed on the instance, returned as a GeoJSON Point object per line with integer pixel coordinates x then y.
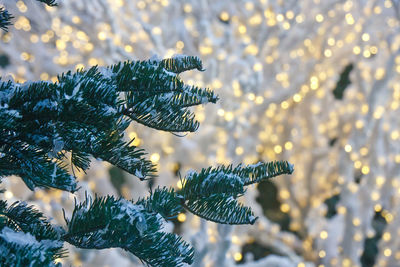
{"type": "Point", "coordinates": [323, 234]}
{"type": "Point", "coordinates": [8, 194]}
{"type": "Point", "coordinates": [356, 221]}
{"type": "Point", "coordinates": [237, 256]}
{"type": "Point", "coordinates": [288, 145]}
{"type": "Point", "coordinates": [155, 157]}
{"type": "Point", "coordinates": [365, 169]}
{"type": "Point", "coordinates": [387, 252]}
{"type": "Point", "coordinates": [285, 207]}
{"type": "Point", "coordinates": [239, 150]}
{"type": "Point", "coordinates": [277, 149]}
{"type": "Point", "coordinates": [181, 217]}
{"type": "Point", "coordinates": [347, 148]}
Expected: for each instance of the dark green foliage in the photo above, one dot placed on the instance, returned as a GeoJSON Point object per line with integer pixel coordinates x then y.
{"type": "Point", "coordinates": [221, 209]}
{"type": "Point", "coordinates": [163, 201]}
{"type": "Point", "coordinates": [183, 64]}
{"type": "Point", "coordinates": [211, 194]}
{"type": "Point", "coordinates": [107, 222]}
{"type": "Point", "coordinates": [368, 257]}
{"type": "Point", "coordinates": [4, 61]}
{"type": "Point", "coordinates": [19, 255]}
{"type": "Point", "coordinates": [40, 123]}
{"type": "Point", "coordinates": [49, 2]}
{"type": "Point", "coordinates": [43, 240]}
{"type": "Point", "coordinates": [5, 19]}
{"type": "Point", "coordinates": [331, 204]}
{"type": "Point", "coordinates": [343, 82]}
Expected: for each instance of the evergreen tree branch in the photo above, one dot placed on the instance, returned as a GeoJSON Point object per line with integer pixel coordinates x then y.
{"type": "Point", "coordinates": [21, 249]}
{"type": "Point", "coordinates": [220, 209]}
{"type": "Point", "coordinates": [49, 2]}
{"type": "Point", "coordinates": [181, 63]}
{"type": "Point", "coordinates": [5, 19]}
{"type": "Point", "coordinates": [106, 222]}
{"type": "Point", "coordinates": [164, 201]}
{"type": "Point", "coordinates": [211, 194]}
{"type": "Point", "coordinates": [25, 228]}
{"type": "Point", "coordinates": [262, 171]}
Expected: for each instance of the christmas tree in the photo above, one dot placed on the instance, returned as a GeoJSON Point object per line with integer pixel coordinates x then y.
{"type": "Point", "coordinates": [51, 130]}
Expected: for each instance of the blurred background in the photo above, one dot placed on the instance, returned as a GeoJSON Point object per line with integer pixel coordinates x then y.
{"type": "Point", "coordinates": [314, 82]}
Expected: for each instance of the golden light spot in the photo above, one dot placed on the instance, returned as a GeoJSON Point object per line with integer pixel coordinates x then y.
{"type": "Point", "coordinates": [259, 100]}
{"type": "Point", "coordinates": [224, 16]}
{"type": "Point", "coordinates": [155, 157]}
{"type": "Point", "coordinates": [251, 49]}
{"type": "Point", "coordinates": [378, 207]}
{"type": "Point", "coordinates": [288, 145]}
{"type": "Point", "coordinates": [328, 52]}
{"type": "Point", "coordinates": [356, 50]}
{"type": "Point", "coordinates": [284, 194]}
{"type": "Point", "coordinates": [323, 234]}
{"type": "Point", "coordinates": [285, 207]}
{"type": "Point", "coordinates": [79, 66]}
{"type": "Point", "coordinates": [387, 252]}
{"type": "Point", "coordinates": [277, 149]}
{"type": "Point", "coordinates": [239, 150]}
{"type": "Point", "coordinates": [102, 36]}
{"type": "Point", "coordinates": [257, 67]}
{"type": "Point", "coordinates": [365, 37]}
{"type": "Point", "coordinates": [297, 98]}
{"type": "Point", "coordinates": [181, 217]}
{"type": "Point", "coordinates": [128, 48]}
{"type": "Point", "coordinates": [156, 31]}
{"type": "Point", "coordinates": [76, 20]}
{"type": "Point", "coordinates": [349, 19]}
{"type": "Point", "coordinates": [342, 210]}
{"type": "Point", "coordinates": [8, 194]}
{"type": "Point", "coordinates": [380, 180]}
{"type": "Point", "coordinates": [319, 18]}
{"type": "Point", "coordinates": [221, 112]}
{"type": "Point", "coordinates": [229, 116]}
{"type": "Point", "coordinates": [237, 256]}
{"type": "Point", "coordinates": [347, 148]}
{"type": "Point", "coordinates": [205, 50]}
{"type": "Point", "coordinates": [34, 38]}
{"type": "Point", "coordinates": [242, 29]}
{"type": "Point", "coordinates": [356, 221]}
{"type": "Point", "coordinates": [365, 169]}
{"type": "Point", "coordinates": [180, 45]}
{"type": "Point", "coordinates": [285, 104]}
{"type": "Point", "coordinates": [44, 76]}
{"type": "Point", "coordinates": [322, 254]}
{"type": "Point", "coordinates": [386, 236]}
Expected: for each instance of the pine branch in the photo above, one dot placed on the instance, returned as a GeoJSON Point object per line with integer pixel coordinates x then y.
{"type": "Point", "coordinates": [21, 249]}
{"type": "Point", "coordinates": [262, 171]}
{"type": "Point", "coordinates": [22, 217]}
{"type": "Point", "coordinates": [5, 19]}
{"type": "Point", "coordinates": [28, 237]}
{"type": "Point", "coordinates": [49, 2]}
{"type": "Point", "coordinates": [163, 201]}
{"type": "Point", "coordinates": [106, 222]}
{"type": "Point", "coordinates": [211, 194]}
{"type": "Point", "coordinates": [211, 181]}
{"type": "Point", "coordinates": [220, 209]}
{"type": "Point", "coordinates": [181, 63]}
